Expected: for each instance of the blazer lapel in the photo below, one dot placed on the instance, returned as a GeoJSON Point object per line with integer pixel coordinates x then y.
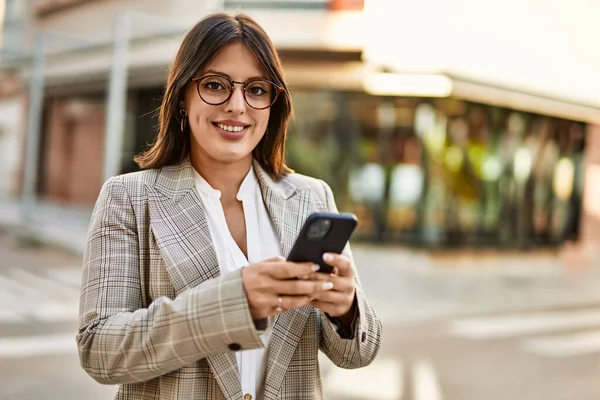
{"type": "Point", "coordinates": [288, 207]}
{"type": "Point", "coordinates": [181, 229]}
{"type": "Point", "coordinates": [183, 237]}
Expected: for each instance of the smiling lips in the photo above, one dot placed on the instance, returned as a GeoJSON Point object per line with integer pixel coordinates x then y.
{"type": "Point", "coordinates": [231, 130]}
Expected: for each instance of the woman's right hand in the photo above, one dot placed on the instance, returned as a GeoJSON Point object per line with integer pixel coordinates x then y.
{"type": "Point", "coordinates": [269, 281]}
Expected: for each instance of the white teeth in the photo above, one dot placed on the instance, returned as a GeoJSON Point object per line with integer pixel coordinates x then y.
{"type": "Point", "coordinates": [230, 128]}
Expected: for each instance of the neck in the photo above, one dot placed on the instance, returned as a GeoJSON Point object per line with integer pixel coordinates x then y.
{"type": "Point", "coordinates": [224, 177]}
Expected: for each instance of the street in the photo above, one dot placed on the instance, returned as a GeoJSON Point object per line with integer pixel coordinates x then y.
{"type": "Point", "coordinates": [38, 321]}
{"type": "Point", "coordinates": [452, 335]}
{"type": "Point", "coordinates": [464, 137]}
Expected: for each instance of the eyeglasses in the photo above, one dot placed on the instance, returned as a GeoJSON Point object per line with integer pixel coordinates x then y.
{"type": "Point", "coordinates": [215, 90]}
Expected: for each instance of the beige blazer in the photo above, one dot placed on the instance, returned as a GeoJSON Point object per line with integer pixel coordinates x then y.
{"type": "Point", "coordinates": [156, 316]}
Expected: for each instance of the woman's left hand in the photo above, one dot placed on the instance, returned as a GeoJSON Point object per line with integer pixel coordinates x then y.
{"type": "Point", "coordinates": [338, 301]}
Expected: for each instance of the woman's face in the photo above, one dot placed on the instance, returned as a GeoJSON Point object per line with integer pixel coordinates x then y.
{"type": "Point", "coordinates": [226, 133]}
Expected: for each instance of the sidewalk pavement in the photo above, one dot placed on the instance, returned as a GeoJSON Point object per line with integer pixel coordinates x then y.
{"type": "Point", "coordinates": [416, 286]}
{"type": "Point", "coordinates": [62, 225]}
{"type": "Point", "coordinates": [405, 283]}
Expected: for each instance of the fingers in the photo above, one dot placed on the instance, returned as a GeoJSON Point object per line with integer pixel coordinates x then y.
{"type": "Point", "coordinates": [300, 287]}
{"type": "Point", "coordinates": [339, 262]}
{"type": "Point", "coordinates": [289, 302]}
{"type": "Point", "coordinates": [270, 305]}
{"type": "Point", "coordinates": [267, 281]}
{"type": "Point", "coordinates": [322, 276]}
{"type": "Point", "coordinates": [289, 270]}
{"type": "Point", "coordinates": [273, 279]}
{"type": "Point", "coordinates": [332, 296]}
{"type": "Point", "coordinates": [317, 276]}
{"type": "Point", "coordinates": [275, 259]}
{"type": "Point", "coordinates": [335, 309]}
{"type": "Point", "coordinates": [340, 283]}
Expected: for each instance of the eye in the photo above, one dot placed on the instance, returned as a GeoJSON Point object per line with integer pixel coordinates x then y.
{"type": "Point", "coordinates": [257, 89]}
{"type": "Point", "coordinates": [213, 85]}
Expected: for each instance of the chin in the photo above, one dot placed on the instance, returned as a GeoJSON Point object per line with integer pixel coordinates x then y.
{"type": "Point", "coordinates": [231, 157]}
{"type": "Point", "coordinates": [225, 153]}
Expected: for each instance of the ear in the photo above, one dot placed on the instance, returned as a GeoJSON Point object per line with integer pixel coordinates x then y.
{"type": "Point", "coordinates": [181, 104]}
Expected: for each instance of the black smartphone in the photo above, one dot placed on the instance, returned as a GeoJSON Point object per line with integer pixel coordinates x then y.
{"type": "Point", "coordinates": [323, 233]}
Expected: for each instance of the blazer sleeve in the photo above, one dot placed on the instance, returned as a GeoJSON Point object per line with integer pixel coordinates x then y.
{"type": "Point", "coordinates": [120, 340]}
{"type": "Point", "coordinates": [361, 349]}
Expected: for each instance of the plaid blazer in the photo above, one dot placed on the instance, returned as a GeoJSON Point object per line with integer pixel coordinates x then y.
{"type": "Point", "coordinates": [156, 316]}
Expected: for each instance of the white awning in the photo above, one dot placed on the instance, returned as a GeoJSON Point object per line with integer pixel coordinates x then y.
{"type": "Point", "coordinates": [543, 47]}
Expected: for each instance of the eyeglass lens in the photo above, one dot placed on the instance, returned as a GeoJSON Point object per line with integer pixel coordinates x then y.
{"type": "Point", "coordinates": [216, 90]}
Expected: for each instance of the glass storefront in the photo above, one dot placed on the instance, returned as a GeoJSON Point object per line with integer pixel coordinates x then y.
{"type": "Point", "coordinates": [432, 172]}
{"type": "Point", "coordinates": [442, 172]}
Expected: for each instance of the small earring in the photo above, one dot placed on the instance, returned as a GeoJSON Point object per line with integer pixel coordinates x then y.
{"type": "Point", "coordinates": [183, 114]}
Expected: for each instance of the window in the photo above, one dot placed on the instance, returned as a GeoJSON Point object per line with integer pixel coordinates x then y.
{"type": "Point", "coordinates": [278, 4]}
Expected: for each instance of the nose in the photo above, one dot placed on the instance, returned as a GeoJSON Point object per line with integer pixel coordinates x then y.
{"type": "Point", "coordinates": [236, 103]}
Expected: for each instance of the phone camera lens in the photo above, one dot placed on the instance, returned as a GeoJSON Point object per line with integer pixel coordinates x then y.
{"type": "Point", "coordinates": [319, 229]}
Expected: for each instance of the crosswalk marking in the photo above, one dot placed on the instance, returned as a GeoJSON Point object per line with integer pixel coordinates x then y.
{"type": "Point", "coordinates": [47, 284]}
{"type": "Point", "coordinates": [513, 326]}
{"type": "Point", "coordinates": [18, 288]}
{"type": "Point", "coordinates": [67, 276]}
{"type": "Point", "coordinates": [381, 380]}
{"type": "Point", "coordinates": [47, 295]}
{"type": "Point", "coordinates": [554, 334]}
{"type": "Point", "coordinates": [11, 317]}
{"type": "Point", "coordinates": [431, 310]}
{"type": "Point", "coordinates": [564, 345]}
{"type": "Point", "coordinates": [425, 382]}
{"type": "Point", "coordinates": [18, 347]}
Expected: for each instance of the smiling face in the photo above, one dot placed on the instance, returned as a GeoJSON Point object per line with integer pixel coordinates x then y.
{"type": "Point", "coordinates": [229, 132]}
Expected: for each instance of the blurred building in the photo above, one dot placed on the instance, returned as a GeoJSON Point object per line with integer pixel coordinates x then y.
{"type": "Point", "coordinates": [437, 126]}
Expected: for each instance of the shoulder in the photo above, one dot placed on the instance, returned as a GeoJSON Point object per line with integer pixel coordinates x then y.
{"type": "Point", "coordinates": [318, 188]}
{"type": "Point", "coordinates": [125, 193]}
{"type": "Point", "coordinates": [133, 181]}
{"type": "Point", "coordinates": [127, 190]}
{"type": "Point", "coordinates": [304, 182]}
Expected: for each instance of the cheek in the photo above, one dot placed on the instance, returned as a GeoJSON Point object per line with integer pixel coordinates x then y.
{"type": "Point", "coordinates": [200, 114]}
{"type": "Point", "coordinates": [263, 120]}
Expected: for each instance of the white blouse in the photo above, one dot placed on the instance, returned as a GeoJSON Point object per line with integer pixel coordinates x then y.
{"type": "Point", "coordinates": [262, 243]}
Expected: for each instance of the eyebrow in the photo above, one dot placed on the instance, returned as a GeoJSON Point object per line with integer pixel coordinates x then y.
{"type": "Point", "coordinates": [212, 71]}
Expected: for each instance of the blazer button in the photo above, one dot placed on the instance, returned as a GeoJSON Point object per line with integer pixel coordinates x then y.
{"type": "Point", "coordinates": [247, 396]}
{"type": "Point", "coordinates": [363, 337]}
{"type": "Point", "coordinates": [234, 347]}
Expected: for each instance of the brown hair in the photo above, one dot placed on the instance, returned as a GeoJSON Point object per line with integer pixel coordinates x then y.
{"type": "Point", "coordinates": [199, 46]}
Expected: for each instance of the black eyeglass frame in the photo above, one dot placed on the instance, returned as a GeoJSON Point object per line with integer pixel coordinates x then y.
{"type": "Point", "coordinates": [278, 89]}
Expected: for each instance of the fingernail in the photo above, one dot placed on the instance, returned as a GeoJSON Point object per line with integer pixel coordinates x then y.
{"type": "Point", "coordinates": [315, 267]}
{"type": "Point", "coordinates": [328, 257]}
{"type": "Point", "coordinates": [327, 285]}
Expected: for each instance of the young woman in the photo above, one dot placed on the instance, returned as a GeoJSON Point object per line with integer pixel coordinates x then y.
{"type": "Point", "coordinates": [186, 293]}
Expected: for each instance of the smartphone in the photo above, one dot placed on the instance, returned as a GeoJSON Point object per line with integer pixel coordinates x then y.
{"type": "Point", "coordinates": [323, 233]}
